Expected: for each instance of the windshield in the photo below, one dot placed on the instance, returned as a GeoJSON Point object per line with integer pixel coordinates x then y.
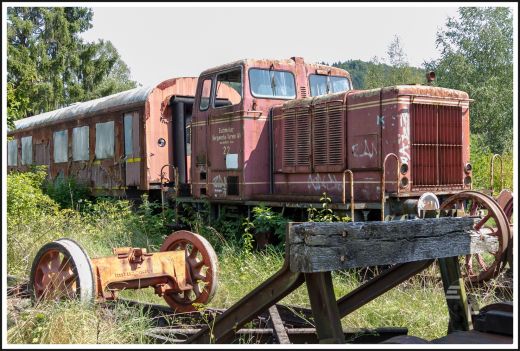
{"type": "Point", "coordinates": [272, 84]}
{"type": "Point", "coordinates": [321, 84]}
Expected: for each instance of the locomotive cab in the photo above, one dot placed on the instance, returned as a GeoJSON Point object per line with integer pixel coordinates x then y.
{"type": "Point", "coordinates": [230, 121]}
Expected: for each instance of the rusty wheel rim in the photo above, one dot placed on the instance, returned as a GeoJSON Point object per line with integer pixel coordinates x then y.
{"type": "Point", "coordinates": [508, 210]}
{"type": "Point", "coordinates": [201, 270]}
{"type": "Point", "coordinates": [482, 266]}
{"type": "Point", "coordinates": [54, 276]}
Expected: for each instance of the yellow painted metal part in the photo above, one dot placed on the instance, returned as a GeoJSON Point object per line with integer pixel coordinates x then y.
{"type": "Point", "coordinates": [134, 268]}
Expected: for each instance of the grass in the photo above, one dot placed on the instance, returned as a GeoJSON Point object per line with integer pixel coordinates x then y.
{"type": "Point", "coordinates": [70, 322]}
{"type": "Point", "coordinates": [418, 304]}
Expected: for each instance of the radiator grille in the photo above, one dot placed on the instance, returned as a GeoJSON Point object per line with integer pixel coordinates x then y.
{"type": "Point", "coordinates": [436, 146]}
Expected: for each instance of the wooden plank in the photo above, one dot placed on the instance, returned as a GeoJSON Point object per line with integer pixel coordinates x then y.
{"type": "Point", "coordinates": [321, 247]}
{"type": "Point", "coordinates": [456, 298]}
{"type": "Point", "coordinates": [324, 308]}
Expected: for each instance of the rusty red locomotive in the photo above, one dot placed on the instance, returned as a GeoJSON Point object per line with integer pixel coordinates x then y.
{"type": "Point", "coordinates": [278, 132]}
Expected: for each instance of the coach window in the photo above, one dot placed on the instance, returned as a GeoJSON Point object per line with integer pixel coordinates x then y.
{"type": "Point", "coordinates": [205, 95]}
{"type": "Point", "coordinates": [128, 120]}
{"type": "Point", "coordinates": [104, 140]}
{"type": "Point", "coordinates": [80, 143]}
{"type": "Point", "coordinates": [12, 152]}
{"type": "Point", "coordinates": [61, 146]}
{"type": "Point", "coordinates": [27, 155]}
{"type": "Point", "coordinates": [272, 84]}
{"type": "Point", "coordinates": [229, 88]}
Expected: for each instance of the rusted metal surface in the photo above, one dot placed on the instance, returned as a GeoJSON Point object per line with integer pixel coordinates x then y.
{"type": "Point", "coordinates": [134, 268]}
{"type": "Point", "coordinates": [116, 173]}
{"type": "Point", "coordinates": [383, 182]}
{"type": "Point", "coordinates": [437, 146]}
{"type": "Point", "coordinates": [136, 96]}
{"type": "Point", "coordinates": [380, 121]}
{"type": "Point", "coordinates": [473, 203]}
{"type": "Point", "coordinates": [201, 268]}
{"type": "Point", "coordinates": [184, 272]}
{"type": "Point", "coordinates": [175, 182]}
{"type": "Point", "coordinates": [352, 201]}
{"type": "Point", "coordinates": [505, 201]}
{"type": "Point", "coordinates": [240, 132]}
{"type": "Point", "coordinates": [246, 146]}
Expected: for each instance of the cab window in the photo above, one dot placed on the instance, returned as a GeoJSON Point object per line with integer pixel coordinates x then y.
{"type": "Point", "coordinates": [272, 84]}
{"type": "Point", "coordinates": [321, 84]}
{"type": "Point", "coordinates": [205, 95]}
{"type": "Point", "coordinates": [229, 88]}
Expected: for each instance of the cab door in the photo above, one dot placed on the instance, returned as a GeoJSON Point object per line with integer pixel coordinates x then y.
{"type": "Point", "coordinates": [199, 135]}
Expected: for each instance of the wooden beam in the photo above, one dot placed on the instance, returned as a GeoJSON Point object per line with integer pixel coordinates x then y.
{"type": "Point", "coordinates": [322, 247]}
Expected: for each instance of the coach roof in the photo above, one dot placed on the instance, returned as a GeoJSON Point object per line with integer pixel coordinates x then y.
{"type": "Point", "coordinates": [87, 108]}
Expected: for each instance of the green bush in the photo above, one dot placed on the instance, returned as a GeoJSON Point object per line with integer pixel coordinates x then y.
{"type": "Point", "coordinates": [481, 161]}
{"type": "Point", "coordinates": [25, 198]}
{"type": "Point", "coordinates": [34, 219]}
{"type": "Point", "coordinates": [325, 213]}
{"type": "Point", "coordinates": [66, 191]}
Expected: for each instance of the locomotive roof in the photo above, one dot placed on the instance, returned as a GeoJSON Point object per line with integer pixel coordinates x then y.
{"type": "Point", "coordinates": [253, 62]}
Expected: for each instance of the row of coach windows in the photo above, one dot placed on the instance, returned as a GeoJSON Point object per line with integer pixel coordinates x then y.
{"type": "Point", "coordinates": [80, 144]}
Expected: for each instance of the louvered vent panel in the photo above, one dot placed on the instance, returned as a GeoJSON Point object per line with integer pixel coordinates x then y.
{"type": "Point", "coordinates": [289, 145]}
{"type": "Point", "coordinates": [336, 134]}
{"type": "Point", "coordinates": [328, 135]}
{"type": "Point", "coordinates": [303, 137]}
{"type": "Point", "coordinates": [303, 92]}
{"type": "Point", "coordinates": [320, 135]}
{"type": "Point", "coordinates": [297, 138]}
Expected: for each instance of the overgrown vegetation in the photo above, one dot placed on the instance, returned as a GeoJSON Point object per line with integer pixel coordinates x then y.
{"type": "Point", "coordinates": [70, 322]}
{"type": "Point", "coordinates": [481, 161]}
{"type": "Point", "coordinates": [325, 213]}
{"type": "Point", "coordinates": [35, 219]}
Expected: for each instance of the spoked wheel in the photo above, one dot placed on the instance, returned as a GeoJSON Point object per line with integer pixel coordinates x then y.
{"type": "Point", "coordinates": [505, 200]}
{"type": "Point", "coordinates": [493, 221]}
{"type": "Point", "coordinates": [201, 270]}
{"type": "Point", "coordinates": [62, 270]}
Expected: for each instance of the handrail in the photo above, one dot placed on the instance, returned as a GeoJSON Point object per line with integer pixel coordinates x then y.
{"type": "Point", "coordinates": [492, 178]}
{"type": "Point", "coordinates": [383, 182]}
{"type": "Point", "coordinates": [351, 192]}
{"type": "Point", "coordinates": [176, 180]}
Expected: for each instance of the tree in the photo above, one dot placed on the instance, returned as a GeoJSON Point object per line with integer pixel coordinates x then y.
{"type": "Point", "coordinates": [49, 66]}
{"type": "Point", "coordinates": [398, 71]}
{"type": "Point", "coordinates": [477, 57]}
{"type": "Point", "coordinates": [357, 69]}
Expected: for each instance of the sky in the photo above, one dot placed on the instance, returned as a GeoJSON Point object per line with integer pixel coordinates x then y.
{"type": "Point", "coordinates": [158, 43]}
